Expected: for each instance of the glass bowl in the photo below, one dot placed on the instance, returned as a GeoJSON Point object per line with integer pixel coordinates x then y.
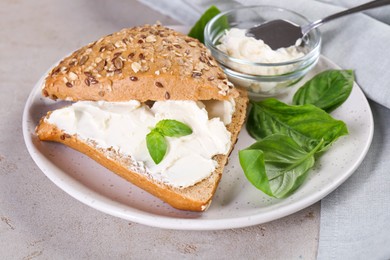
{"type": "Point", "coordinates": [259, 78]}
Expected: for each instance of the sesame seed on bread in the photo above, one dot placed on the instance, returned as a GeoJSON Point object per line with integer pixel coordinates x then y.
{"type": "Point", "coordinates": [149, 62]}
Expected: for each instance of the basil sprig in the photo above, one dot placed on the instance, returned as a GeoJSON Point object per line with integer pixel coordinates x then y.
{"type": "Point", "coordinates": [156, 142]}
{"type": "Point", "coordinates": [277, 165]}
{"type": "Point", "coordinates": [197, 31]}
{"type": "Point", "coordinates": [306, 124]}
{"type": "Point", "coordinates": [290, 137]}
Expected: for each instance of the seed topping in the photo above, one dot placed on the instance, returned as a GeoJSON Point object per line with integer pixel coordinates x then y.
{"type": "Point", "coordinates": [83, 60]}
{"type": "Point", "coordinates": [118, 63]}
{"type": "Point", "coordinates": [192, 44]}
{"type": "Point", "coordinates": [87, 82]}
{"type": "Point", "coordinates": [100, 66]}
{"type": "Point", "coordinates": [196, 74]}
{"type": "Point", "coordinates": [131, 55]}
{"type": "Point", "coordinates": [159, 84]}
{"type": "Point", "coordinates": [73, 76]}
{"type": "Point", "coordinates": [136, 66]}
{"type": "Point", "coordinates": [151, 38]}
{"type": "Point", "coordinates": [93, 80]}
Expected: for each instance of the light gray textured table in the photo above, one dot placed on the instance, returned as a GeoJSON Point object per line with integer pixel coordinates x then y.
{"type": "Point", "coordinates": [40, 221]}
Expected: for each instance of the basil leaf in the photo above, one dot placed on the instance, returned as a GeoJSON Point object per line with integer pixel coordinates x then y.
{"type": "Point", "coordinates": [173, 128]}
{"type": "Point", "coordinates": [155, 141]}
{"type": "Point", "coordinates": [252, 163]}
{"type": "Point", "coordinates": [277, 165]}
{"type": "Point", "coordinates": [327, 90]}
{"type": "Point", "coordinates": [306, 124]}
{"type": "Point", "coordinates": [197, 31]}
{"type": "Point", "coordinates": [157, 145]}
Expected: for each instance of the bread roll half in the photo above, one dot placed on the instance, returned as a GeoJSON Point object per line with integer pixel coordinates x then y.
{"type": "Point", "coordinates": [148, 63]}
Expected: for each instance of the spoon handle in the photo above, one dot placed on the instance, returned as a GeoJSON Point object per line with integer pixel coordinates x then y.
{"type": "Point", "coordinates": [366, 6]}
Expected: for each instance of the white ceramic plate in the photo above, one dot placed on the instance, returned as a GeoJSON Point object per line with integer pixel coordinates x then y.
{"type": "Point", "coordinates": [236, 203]}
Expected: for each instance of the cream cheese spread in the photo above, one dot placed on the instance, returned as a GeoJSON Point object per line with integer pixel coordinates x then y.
{"type": "Point", "coordinates": [123, 126]}
{"type": "Point", "coordinates": [236, 44]}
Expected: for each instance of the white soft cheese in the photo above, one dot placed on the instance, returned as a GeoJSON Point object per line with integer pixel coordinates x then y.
{"type": "Point", "coordinates": [223, 110]}
{"type": "Point", "coordinates": [236, 44]}
{"type": "Point", "coordinates": [124, 126]}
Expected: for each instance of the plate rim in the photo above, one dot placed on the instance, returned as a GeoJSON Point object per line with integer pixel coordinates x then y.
{"type": "Point", "coordinates": [111, 207]}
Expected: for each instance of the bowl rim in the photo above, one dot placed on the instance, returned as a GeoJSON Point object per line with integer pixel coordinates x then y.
{"type": "Point", "coordinates": [268, 78]}
{"type": "Point", "coordinates": [212, 47]}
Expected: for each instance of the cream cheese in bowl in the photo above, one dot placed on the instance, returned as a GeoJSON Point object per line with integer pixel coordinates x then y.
{"type": "Point", "coordinates": [236, 44]}
{"type": "Point", "coordinates": [252, 64]}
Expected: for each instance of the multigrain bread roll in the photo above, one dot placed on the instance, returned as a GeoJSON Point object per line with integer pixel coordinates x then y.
{"type": "Point", "coordinates": [141, 63]}
{"type": "Point", "coordinates": [148, 63]}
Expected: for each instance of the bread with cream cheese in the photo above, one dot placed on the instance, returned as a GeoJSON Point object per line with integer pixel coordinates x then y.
{"type": "Point", "coordinates": [74, 79]}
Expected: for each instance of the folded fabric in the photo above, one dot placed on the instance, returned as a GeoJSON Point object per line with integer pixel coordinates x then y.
{"type": "Point", "coordinates": [354, 218]}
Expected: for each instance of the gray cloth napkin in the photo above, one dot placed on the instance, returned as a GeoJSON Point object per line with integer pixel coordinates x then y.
{"type": "Point", "coordinates": [355, 218]}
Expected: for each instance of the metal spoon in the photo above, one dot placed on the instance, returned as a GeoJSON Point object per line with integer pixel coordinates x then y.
{"type": "Point", "coordinates": [281, 33]}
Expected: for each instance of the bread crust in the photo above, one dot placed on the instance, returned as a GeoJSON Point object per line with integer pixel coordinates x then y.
{"type": "Point", "coordinates": [150, 62]}
{"type": "Point", "coordinates": [193, 198]}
